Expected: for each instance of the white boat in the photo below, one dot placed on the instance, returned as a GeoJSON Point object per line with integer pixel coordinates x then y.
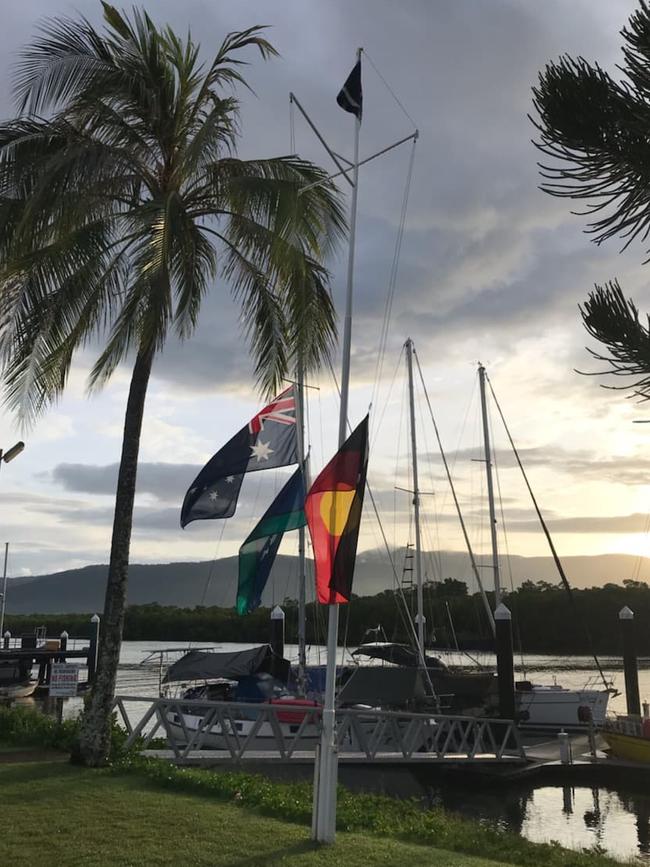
{"type": "Point", "coordinates": [255, 677]}
{"type": "Point", "coordinates": [187, 720]}
{"type": "Point", "coordinates": [550, 706]}
{"type": "Point", "coordinates": [15, 682]}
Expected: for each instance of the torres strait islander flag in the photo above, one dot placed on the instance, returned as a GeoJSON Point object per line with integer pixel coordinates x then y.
{"type": "Point", "coordinates": [267, 441]}
{"type": "Point", "coordinates": [333, 511]}
{"type": "Point", "coordinates": [256, 555]}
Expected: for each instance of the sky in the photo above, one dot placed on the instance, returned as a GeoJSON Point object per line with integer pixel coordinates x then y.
{"type": "Point", "coordinates": [490, 269]}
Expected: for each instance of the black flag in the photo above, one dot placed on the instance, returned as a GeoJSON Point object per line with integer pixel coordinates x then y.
{"type": "Point", "coordinates": [350, 97]}
{"type": "Point", "coordinates": [268, 440]}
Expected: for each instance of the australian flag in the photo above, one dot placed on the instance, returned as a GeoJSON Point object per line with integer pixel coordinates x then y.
{"type": "Point", "coordinates": [267, 441]}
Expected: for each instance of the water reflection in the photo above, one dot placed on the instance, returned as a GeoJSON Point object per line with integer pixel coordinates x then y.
{"type": "Point", "coordinates": [577, 817]}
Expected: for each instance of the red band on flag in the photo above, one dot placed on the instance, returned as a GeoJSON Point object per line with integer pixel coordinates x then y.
{"type": "Point", "coordinates": [333, 511]}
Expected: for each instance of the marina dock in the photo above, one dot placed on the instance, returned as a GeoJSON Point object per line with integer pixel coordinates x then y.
{"type": "Point", "coordinates": [376, 743]}
{"type": "Point", "coordinates": [36, 650]}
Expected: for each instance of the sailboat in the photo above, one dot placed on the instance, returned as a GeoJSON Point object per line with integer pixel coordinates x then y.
{"type": "Point", "coordinates": [451, 689]}
{"type": "Point", "coordinates": [539, 706]}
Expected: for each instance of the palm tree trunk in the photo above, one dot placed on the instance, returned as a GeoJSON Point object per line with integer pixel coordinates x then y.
{"type": "Point", "coordinates": [95, 735]}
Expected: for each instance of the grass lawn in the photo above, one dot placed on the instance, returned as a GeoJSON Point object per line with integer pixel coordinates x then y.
{"type": "Point", "coordinates": [54, 813]}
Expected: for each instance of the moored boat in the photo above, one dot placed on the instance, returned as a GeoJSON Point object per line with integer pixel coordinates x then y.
{"type": "Point", "coordinates": [255, 677]}
{"type": "Point", "coordinates": [553, 706]}
{"type": "Point", "coordinates": [15, 681]}
{"type": "Point", "coordinates": [628, 738]}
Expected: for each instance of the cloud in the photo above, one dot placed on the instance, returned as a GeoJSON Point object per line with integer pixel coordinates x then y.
{"type": "Point", "coordinates": [164, 481]}
{"type": "Point", "coordinates": [489, 267]}
{"type": "Point", "coordinates": [615, 524]}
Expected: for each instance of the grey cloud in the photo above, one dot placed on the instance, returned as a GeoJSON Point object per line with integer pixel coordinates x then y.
{"type": "Point", "coordinates": [474, 196]}
{"type": "Point", "coordinates": [165, 481]}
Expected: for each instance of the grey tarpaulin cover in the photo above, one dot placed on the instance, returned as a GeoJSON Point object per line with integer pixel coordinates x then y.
{"type": "Point", "coordinates": [400, 654]}
{"type": "Point", "coordinates": [374, 684]}
{"type": "Point", "coordinates": [202, 665]}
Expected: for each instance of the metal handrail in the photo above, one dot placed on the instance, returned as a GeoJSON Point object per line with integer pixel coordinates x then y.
{"type": "Point", "coordinates": [368, 732]}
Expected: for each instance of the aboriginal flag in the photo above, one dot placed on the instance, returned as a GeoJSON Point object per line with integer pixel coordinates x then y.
{"type": "Point", "coordinates": [350, 96]}
{"type": "Point", "coordinates": [333, 510]}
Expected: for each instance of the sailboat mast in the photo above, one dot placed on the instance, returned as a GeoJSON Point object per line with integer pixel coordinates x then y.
{"type": "Point", "coordinates": [490, 487]}
{"type": "Point", "coordinates": [325, 807]}
{"type": "Point", "coordinates": [416, 501]}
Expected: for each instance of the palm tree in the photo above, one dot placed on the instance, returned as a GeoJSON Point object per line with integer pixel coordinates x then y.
{"type": "Point", "coordinates": [121, 203]}
{"type": "Point", "coordinates": [596, 131]}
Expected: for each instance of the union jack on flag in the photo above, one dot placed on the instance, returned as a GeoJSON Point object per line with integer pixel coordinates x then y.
{"type": "Point", "coordinates": [282, 410]}
{"type": "Point", "coordinates": [268, 440]}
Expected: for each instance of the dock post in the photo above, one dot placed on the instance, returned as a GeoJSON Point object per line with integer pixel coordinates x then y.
{"type": "Point", "coordinates": [626, 618]}
{"type": "Point", "coordinates": [92, 649]}
{"type": "Point", "coordinates": [7, 639]}
{"type": "Point", "coordinates": [505, 664]}
{"type": "Point", "coordinates": [566, 753]}
{"type": "Point", "coordinates": [63, 644]}
{"type": "Point", "coordinates": [277, 633]}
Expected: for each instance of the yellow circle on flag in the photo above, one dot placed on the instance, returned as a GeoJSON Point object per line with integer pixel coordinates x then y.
{"type": "Point", "coordinates": [334, 510]}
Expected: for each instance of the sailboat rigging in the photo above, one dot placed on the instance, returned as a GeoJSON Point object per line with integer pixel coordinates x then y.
{"type": "Point", "coordinates": [540, 705]}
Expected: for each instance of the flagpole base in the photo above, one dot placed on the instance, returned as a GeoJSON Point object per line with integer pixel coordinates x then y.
{"type": "Point", "coordinates": [324, 823]}
{"type": "Point", "coordinates": [326, 773]}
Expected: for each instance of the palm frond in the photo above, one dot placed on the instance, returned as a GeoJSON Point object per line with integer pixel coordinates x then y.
{"type": "Point", "coordinates": [613, 320]}
{"type": "Point", "coordinates": [60, 63]}
{"type": "Point", "coordinates": [594, 131]}
{"type": "Point", "coordinates": [109, 207]}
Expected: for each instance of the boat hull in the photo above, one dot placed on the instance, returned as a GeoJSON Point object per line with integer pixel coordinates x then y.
{"type": "Point", "coordinates": [183, 728]}
{"type": "Point", "coordinates": [216, 739]}
{"type": "Point", "coordinates": [554, 706]}
{"type": "Point", "coordinates": [633, 748]}
{"type": "Point", "coordinates": [17, 690]}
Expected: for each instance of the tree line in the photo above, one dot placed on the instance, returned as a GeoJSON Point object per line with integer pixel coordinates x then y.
{"type": "Point", "coordinates": [545, 619]}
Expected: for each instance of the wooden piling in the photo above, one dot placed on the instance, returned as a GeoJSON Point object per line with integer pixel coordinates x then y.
{"type": "Point", "coordinates": [630, 667]}
{"type": "Point", "coordinates": [505, 662]}
{"type": "Point", "coordinates": [277, 631]}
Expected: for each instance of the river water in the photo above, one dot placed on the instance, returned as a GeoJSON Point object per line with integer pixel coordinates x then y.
{"type": "Point", "coordinates": [577, 817]}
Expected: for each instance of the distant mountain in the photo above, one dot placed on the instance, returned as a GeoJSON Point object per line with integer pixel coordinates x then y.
{"type": "Point", "coordinates": [213, 583]}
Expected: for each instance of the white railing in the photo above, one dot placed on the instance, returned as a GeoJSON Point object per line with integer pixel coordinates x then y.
{"type": "Point", "coordinates": [236, 728]}
{"type": "Point", "coordinates": [15, 643]}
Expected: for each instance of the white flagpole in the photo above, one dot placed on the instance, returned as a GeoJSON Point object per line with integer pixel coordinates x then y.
{"type": "Point", "coordinates": [302, 460]}
{"type": "Point", "coordinates": [325, 791]}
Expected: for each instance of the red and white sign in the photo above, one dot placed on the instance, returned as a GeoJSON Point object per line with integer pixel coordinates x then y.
{"type": "Point", "coordinates": [64, 679]}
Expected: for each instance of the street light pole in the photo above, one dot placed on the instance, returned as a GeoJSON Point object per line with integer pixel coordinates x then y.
{"type": "Point", "coordinates": [4, 591]}
{"type": "Point", "coordinates": [12, 453]}
{"type": "Point", "coordinates": [6, 456]}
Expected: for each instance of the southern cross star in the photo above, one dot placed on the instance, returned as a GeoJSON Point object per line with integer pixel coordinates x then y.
{"type": "Point", "coordinates": [230, 479]}
{"type": "Point", "coordinates": [213, 495]}
{"type": "Point", "coordinates": [261, 451]}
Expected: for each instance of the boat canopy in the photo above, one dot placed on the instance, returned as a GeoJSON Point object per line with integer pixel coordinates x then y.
{"type": "Point", "coordinates": [399, 654]}
{"type": "Point", "coordinates": [372, 684]}
{"type": "Point", "coordinates": [208, 665]}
